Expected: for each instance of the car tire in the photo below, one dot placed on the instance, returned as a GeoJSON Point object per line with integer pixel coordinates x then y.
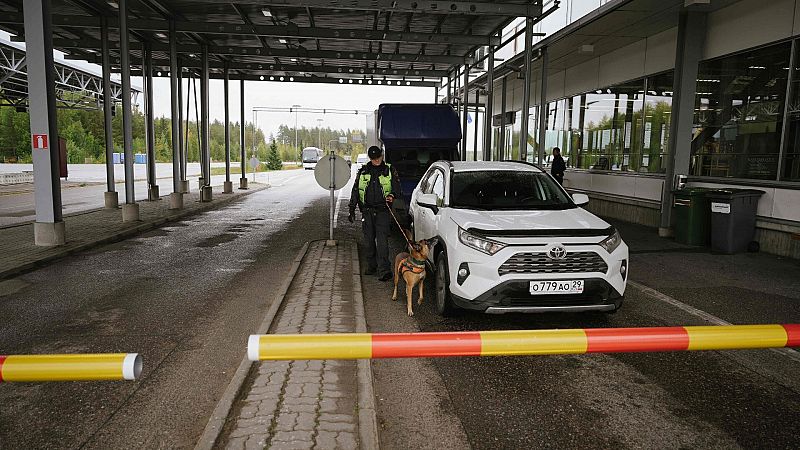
{"type": "Point", "coordinates": [444, 302]}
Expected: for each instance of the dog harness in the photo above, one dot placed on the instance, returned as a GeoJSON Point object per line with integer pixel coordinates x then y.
{"type": "Point", "coordinates": [412, 265]}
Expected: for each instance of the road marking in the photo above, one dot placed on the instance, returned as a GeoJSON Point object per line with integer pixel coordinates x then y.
{"type": "Point", "coordinates": [336, 211]}
{"type": "Point", "coordinates": [286, 181]}
{"type": "Point", "coordinates": [788, 352]}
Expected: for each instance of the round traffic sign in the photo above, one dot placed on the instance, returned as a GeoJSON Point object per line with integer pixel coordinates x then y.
{"type": "Point", "coordinates": [341, 172]}
{"type": "Point", "coordinates": [254, 162]}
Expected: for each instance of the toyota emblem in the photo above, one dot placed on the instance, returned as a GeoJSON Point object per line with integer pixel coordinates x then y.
{"type": "Point", "coordinates": [557, 252]}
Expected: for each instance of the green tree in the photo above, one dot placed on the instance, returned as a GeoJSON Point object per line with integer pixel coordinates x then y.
{"type": "Point", "coordinates": [273, 159]}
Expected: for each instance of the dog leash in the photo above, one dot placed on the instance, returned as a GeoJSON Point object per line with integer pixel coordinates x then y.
{"type": "Point", "coordinates": [388, 206]}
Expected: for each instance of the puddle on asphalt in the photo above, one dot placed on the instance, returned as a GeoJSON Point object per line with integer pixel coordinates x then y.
{"type": "Point", "coordinates": [217, 240]}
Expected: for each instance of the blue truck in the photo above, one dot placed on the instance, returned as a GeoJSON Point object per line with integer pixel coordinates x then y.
{"type": "Point", "coordinates": [413, 137]}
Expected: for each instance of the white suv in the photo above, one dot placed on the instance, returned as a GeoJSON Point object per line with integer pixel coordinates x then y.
{"type": "Point", "coordinates": [512, 240]}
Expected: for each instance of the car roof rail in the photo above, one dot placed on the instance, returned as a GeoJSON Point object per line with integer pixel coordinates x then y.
{"type": "Point", "coordinates": [523, 162]}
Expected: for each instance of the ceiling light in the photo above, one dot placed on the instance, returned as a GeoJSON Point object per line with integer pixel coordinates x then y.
{"type": "Point", "coordinates": [281, 78]}
{"type": "Point", "coordinates": [369, 82]}
{"type": "Point", "coordinates": [293, 59]}
{"type": "Point", "coordinates": [282, 41]}
{"type": "Point", "coordinates": [271, 78]}
{"type": "Point", "coordinates": [341, 81]}
{"type": "Point", "coordinates": [266, 12]}
{"type": "Point", "coordinates": [291, 78]}
{"type": "Point", "coordinates": [261, 78]}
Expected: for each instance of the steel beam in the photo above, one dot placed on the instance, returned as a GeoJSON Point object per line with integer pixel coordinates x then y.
{"type": "Point", "coordinates": [290, 31]}
{"type": "Point", "coordinates": [204, 105]}
{"type": "Point", "coordinates": [275, 52]}
{"type": "Point", "coordinates": [543, 113]}
{"type": "Point", "coordinates": [108, 105]}
{"type": "Point", "coordinates": [501, 148]}
{"type": "Point", "coordinates": [526, 91]}
{"type": "Point", "coordinates": [227, 128]}
{"type": "Point", "coordinates": [407, 6]}
{"type": "Point", "coordinates": [689, 51]}
{"type": "Point", "coordinates": [181, 136]}
{"type": "Point", "coordinates": [465, 110]}
{"type": "Point", "coordinates": [487, 113]}
{"type": "Point", "coordinates": [49, 227]}
{"type": "Point", "coordinates": [272, 68]}
{"type": "Point", "coordinates": [475, 138]}
{"type": "Point", "coordinates": [243, 179]}
{"type": "Point", "coordinates": [149, 125]}
{"type": "Point", "coordinates": [175, 110]}
{"type": "Point", "coordinates": [127, 115]}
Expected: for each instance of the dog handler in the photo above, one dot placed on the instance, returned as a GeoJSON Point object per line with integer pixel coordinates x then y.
{"type": "Point", "coordinates": [375, 188]}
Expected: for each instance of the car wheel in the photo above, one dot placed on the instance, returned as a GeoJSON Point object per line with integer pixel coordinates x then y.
{"type": "Point", "coordinates": [444, 303]}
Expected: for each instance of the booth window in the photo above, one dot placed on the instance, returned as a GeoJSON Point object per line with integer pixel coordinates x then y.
{"type": "Point", "coordinates": [739, 114]}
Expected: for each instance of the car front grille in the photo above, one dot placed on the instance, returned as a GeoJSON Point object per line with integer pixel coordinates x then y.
{"type": "Point", "coordinates": [576, 262]}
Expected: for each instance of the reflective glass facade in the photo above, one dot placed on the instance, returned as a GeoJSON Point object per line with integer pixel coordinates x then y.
{"type": "Point", "coordinates": [738, 115]}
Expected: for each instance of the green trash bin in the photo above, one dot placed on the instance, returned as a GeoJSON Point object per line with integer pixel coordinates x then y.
{"type": "Point", "coordinates": [692, 216]}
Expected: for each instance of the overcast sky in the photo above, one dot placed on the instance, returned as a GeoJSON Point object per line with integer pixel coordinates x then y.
{"type": "Point", "coordinates": [277, 94]}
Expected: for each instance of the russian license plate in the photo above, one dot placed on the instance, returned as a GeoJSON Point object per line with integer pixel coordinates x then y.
{"type": "Point", "coordinates": [556, 287]}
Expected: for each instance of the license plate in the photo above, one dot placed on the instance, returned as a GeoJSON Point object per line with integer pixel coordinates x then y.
{"type": "Point", "coordinates": [556, 287]}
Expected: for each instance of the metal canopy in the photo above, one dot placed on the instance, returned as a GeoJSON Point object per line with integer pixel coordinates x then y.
{"type": "Point", "coordinates": [411, 42]}
{"type": "Point", "coordinates": [75, 88]}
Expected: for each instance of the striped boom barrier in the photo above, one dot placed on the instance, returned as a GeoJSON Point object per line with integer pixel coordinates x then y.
{"type": "Point", "coordinates": [90, 367]}
{"type": "Point", "coordinates": [519, 342]}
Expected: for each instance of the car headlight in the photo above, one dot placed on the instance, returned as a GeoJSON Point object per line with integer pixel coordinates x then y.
{"type": "Point", "coordinates": [481, 244]}
{"type": "Point", "coordinates": [612, 242]}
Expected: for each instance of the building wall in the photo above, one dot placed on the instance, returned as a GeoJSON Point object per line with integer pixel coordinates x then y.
{"type": "Point", "coordinates": [740, 26]}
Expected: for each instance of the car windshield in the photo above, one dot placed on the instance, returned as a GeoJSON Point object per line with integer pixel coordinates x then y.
{"type": "Point", "coordinates": [507, 190]}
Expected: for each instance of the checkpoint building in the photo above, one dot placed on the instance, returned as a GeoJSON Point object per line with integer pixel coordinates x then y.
{"type": "Point", "coordinates": [638, 92]}
{"type": "Point", "coordinates": [640, 95]}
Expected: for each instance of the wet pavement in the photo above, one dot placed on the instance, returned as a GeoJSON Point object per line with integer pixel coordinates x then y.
{"type": "Point", "coordinates": [185, 296]}
{"type": "Point", "coordinates": [725, 399]}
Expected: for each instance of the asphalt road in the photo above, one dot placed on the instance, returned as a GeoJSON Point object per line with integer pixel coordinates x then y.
{"type": "Point", "coordinates": [185, 296]}
{"type": "Point", "coordinates": [731, 399]}
{"type": "Point", "coordinates": [85, 187]}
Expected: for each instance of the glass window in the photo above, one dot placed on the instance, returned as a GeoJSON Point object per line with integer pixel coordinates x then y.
{"type": "Point", "coordinates": [603, 129]}
{"type": "Point", "coordinates": [507, 189]}
{"type": "Point", "coordinates": [657, 119]}
{"type": "Point", "coordinates": [431, 181]}
{"type": "Point", "coordinates": [739, 113]}
{"type": "Point", "coordinates": [791, 159]}
{"type": "Point", "coordinates": [438, 188]}
{"type": "Point", "coordinates": [579, 8]}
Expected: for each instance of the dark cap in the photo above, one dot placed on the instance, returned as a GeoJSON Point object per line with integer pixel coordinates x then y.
{"type": "Point", "coordinates": [374, 152]}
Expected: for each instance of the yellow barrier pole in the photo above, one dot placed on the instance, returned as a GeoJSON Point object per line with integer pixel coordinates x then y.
{"type": "Point", "coordinates": [520, 342]}
{"type": "Point", "coordinates": [87, 367]}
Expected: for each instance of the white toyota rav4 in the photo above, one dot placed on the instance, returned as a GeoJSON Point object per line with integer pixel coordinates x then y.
{"type": "Point", "coordinates": [512, 240]}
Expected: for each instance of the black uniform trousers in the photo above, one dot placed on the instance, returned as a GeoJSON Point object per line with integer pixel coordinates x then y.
{"type": "Point", "coordinates": [375, 222]}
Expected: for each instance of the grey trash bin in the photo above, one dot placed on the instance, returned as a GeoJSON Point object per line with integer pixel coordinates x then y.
{"type": "Point", "coordinates": [733, 219]}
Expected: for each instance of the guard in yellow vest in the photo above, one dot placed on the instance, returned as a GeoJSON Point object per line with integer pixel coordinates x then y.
{"type": "Point", "coordinates": [375, 188]}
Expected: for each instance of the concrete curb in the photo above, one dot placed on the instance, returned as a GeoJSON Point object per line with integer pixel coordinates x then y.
{"type": "Point", "coordinates": [216, 423]}
{"type": "Point", "coordinates": [123, 234]}
{"type": "Point", "coordinates": [367, 411]}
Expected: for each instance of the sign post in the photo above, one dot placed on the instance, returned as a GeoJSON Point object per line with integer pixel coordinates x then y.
{"type": "Point", "coordinates": [332, 173]}
{"type": "Point", "coordinates": [254, 166]}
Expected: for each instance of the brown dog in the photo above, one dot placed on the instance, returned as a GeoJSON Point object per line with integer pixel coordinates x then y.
{"type": "Point", "coordinates": [411, 267]}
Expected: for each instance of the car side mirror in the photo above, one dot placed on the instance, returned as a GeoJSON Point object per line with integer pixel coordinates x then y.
{"type": "Point", "coordinates": [429, 201]}
{"type": "Point", "coordinates": [580, 199]}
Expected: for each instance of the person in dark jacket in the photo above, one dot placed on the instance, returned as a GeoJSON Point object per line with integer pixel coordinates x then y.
{"type": "Point", "coordinates": [558, 166]}
{"type": "Point", "coordinates": [375, 188]}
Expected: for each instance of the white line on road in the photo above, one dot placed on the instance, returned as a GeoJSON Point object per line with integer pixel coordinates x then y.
{"type": "Point", "coordinates": [336, 211]}
{"type": "Point", "coordinates": [788, 352]}
{"type": "Point", "coordinates": [287, 180]}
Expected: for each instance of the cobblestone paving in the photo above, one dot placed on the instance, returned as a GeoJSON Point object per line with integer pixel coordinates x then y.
{"type": "Point", "coordinates": [307, 404]}
{"type": "Point", "coordinates": [85, 229]}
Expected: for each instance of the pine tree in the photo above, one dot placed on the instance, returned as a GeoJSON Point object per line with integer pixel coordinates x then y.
{"type": "Point", "coordinates": [273, 159]}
